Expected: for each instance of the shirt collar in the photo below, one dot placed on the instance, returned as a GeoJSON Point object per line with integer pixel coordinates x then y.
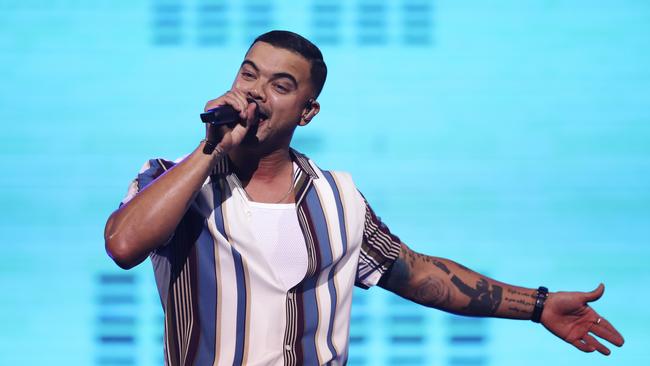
{"type": "Point", "coordinates": [223, 167]}
{"type": "Point", "coordinates": [302, 180]}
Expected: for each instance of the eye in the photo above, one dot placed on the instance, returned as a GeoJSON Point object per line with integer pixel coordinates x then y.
{"type": "Point", "coordinates": [281, 88]}
{"type": "Point", "coordinates": [247, 75]}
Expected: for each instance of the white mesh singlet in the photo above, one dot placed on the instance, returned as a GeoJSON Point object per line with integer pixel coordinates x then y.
{"type": "Point", "coordinates": [278, 234]}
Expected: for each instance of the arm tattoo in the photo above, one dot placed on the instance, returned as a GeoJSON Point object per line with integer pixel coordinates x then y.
{"type": "Point", "coordinates": [431, 260]}
{"type": "Point", "coordinates": [483, 301]}
{"type": "Point", "coordinates": [432, 291]}
{"type": "Point", "coordinates": [436, 289]}
{"type": "Point", "coordinates": [523, 304]}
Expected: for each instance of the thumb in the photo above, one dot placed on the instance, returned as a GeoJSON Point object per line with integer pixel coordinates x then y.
{"type": "Point", "coordinates": [595, 294]}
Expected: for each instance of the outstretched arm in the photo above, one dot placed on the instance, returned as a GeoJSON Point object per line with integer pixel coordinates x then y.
{"type": "Point", "coordinates": [446, 285]}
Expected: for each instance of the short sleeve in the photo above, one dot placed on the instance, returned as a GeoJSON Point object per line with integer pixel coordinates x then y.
{"type": "Point", "coordinates": [150, 170]}
{"type": "Point", "coordinates": [379, 249]}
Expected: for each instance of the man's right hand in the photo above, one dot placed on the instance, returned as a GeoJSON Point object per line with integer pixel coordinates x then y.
{"type": "Point", "coordinates": [227, 137]}
{"type": "Point", "coordinates": [151, 217]}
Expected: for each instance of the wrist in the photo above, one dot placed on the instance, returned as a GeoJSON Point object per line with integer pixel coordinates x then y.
{"type": "Point", "coordinates": [209, 147]}
{"type": "Point", "coordinates": [540, 300]}
{"type": "Point", "coordinates": [213, 154]}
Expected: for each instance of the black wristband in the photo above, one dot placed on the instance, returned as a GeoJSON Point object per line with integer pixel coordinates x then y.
{"type": "Point", "coordinates": [542, 294]}
{"type": "Point", "coordinates": [209, 147]}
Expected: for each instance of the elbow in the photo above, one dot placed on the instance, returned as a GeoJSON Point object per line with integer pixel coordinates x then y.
{"type": "Point", "coordinates": [119, 248]}
{"type": "Point", "coordinates": [120, 252]}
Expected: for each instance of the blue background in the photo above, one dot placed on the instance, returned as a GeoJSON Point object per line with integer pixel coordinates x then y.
{"type": "Point", "coordinates": [510, 136]}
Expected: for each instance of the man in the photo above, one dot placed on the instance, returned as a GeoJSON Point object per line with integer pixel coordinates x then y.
{"type": "Point", "coordinates": [256, 250]}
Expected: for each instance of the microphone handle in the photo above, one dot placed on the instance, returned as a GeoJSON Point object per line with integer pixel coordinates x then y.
{"type": "Point", "coordinates": [221, 115]}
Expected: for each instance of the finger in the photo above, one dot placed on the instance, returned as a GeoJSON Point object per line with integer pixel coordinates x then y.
{"type": "Point", "coordinates": [606, 331]}
{"type": "Point", "coordinates": [226, 99]}
{"type": "Point", "coordinates": [237, 104]}
{"type": "Point", "coordinates": [241, 99]}
{"type": "Point", "coordinates": [594, 344]}
{"type": "Point", "coordinates": [250, 111]}
{"type": "Point", "coordinates": [581, 345]}
{"type": "Point", "coordinates": [211, 104]}
{"type": "Point", "coordinates": [238, 100]}
{"type": "Point", "coordinates": [238, 93]}
{"type": "Point", "coordinates": [595, 294]}
{"type": "Point", "coordinates": [240, 130]}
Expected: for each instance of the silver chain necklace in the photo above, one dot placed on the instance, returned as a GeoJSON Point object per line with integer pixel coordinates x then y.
{"type": "Point", "coordinates": [276, 202]}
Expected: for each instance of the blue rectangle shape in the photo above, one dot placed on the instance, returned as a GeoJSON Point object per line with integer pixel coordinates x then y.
{"type": "Point", "coordinates": [407, 339]}
{"type": "Point", "coordinates": [117, 339]}
{"type": "Point", "coordinates": [116, 319]}
{"type": "Point", "coordinates": [325, 8]}
{"type": "Point", "coordinates": [124, 279]}
{"type": "Point", "coordinates": [467, 361]}
{"type": "Point", "coordinates": [211, 8]}
{"type": "Point", "coordinates": [467, 339]}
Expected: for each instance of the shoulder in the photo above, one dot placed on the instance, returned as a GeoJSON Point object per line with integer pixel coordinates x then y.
{"type": "Point", "coordinates": [152, 169]}
{"type": "Point", "coordinates": [333, 176]}
{"type": "Point", "coordinates": [341, 182]}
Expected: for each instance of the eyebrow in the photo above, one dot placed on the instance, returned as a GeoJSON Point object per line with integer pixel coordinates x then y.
{"type": "Point", "coordinates": [276, 75]}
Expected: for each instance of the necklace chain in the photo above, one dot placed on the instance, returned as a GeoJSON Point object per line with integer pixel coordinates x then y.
{"type": "Point", "coordinates": [280, 200]}
{"type": "Point", "coordinates": [286, 194]}
{"type": "Point", "coordinates": [284, 197]}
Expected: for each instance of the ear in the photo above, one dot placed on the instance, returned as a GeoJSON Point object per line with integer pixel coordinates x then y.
{"type": "Point", "coordinates": [310, 111]}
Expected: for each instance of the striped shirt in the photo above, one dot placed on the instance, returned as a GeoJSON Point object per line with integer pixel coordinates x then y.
{"type": "Point", "coordinates": [223, 303]}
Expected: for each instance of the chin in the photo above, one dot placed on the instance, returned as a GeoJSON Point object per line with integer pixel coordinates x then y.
{"type": "Point", "coordinates": [250, 141]}
{"type": "Point", "coordinates": [258, 141]}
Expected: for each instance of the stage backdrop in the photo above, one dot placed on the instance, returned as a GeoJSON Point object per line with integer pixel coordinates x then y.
{"type": "Point", "coordinates": [511, 136]}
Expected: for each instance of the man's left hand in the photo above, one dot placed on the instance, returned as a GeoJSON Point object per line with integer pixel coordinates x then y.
{"type": "Point", "coordinates": [568, 316]}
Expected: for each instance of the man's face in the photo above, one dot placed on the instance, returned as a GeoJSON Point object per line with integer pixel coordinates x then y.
{"type": "Point", "coordinates": [279, 82]}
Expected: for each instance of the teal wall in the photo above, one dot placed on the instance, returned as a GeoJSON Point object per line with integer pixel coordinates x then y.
{"type": "Point", "coordinates": [511, 136]}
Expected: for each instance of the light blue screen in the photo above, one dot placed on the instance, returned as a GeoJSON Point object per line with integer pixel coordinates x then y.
{"type": "Point", "coordinates": [510, 136]}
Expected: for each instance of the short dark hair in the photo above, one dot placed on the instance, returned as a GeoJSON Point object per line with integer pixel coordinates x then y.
{"type": "Point", "coordinates": [296, 43]}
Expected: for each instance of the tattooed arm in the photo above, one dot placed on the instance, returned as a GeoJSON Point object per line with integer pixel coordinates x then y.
{"type": "Point", "coordinates": [449, 286]}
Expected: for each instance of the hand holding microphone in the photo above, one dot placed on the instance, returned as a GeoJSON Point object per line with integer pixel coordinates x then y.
{"type": "Point", "coordinates": [221, 117]}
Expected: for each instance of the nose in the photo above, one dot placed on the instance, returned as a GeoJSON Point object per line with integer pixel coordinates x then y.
{"type": "Point", "coordinates": [256, 92]}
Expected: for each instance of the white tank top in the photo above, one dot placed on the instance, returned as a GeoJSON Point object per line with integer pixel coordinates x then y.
{"type": "Point", "coordinates": [280, 240]}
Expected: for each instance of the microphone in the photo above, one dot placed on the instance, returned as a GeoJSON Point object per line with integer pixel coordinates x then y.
{"type": "Point", "coordinates": [221, 115]}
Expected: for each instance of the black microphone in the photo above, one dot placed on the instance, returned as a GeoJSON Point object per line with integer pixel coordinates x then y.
{"type": "Point", "coordinates": [221, 115]}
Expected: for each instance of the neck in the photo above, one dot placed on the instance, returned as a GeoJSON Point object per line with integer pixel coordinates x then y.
{"type": "Point", "coordinates": [268, 166]}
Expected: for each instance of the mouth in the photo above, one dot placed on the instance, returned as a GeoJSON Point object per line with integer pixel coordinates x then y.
{"type": "Point", "coordinates": [262, 117]}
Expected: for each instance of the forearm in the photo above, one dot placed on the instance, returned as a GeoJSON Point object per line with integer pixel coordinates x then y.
{"type": "Point", "coordinates": [449, 286]}
{"type": "Point", "coordinates": [149, 219]}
